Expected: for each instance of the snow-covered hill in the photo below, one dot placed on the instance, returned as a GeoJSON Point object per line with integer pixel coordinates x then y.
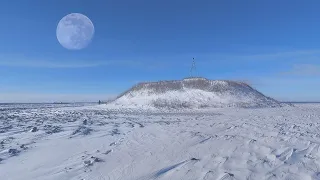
{"type": "Point", "coordinates": [193, 93]}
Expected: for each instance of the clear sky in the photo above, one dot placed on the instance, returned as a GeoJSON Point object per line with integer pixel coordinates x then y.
{"type": "Point", "coordinates": [274, 45]}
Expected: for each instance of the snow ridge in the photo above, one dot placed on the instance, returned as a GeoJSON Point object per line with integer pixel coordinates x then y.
{"type": "Point", "coordinates": [193, 93]}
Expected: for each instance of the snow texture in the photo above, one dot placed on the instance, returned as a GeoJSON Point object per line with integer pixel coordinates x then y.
{"type": "Point", "coordinates": [97, 143]}
{"type": "Point", "coordinates": [193, 93]}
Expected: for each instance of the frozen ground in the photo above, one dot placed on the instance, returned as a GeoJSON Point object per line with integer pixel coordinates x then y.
{"type": "Point", "coordinates": [93, 143]}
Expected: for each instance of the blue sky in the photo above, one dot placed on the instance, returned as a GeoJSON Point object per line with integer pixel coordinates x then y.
{"type": "Point", "coordinates": [273, 45]}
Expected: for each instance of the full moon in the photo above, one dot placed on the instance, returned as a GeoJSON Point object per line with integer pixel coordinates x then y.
{"type": "Point", "coordinates": [75, 31]}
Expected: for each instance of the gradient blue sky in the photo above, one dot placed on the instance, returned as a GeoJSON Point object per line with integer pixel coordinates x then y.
{"type": "Point", "coordinates": [274, 45]}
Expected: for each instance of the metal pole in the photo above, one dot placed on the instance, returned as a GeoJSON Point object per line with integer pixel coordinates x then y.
{"type": "Point", "coordinates": [193, 68]}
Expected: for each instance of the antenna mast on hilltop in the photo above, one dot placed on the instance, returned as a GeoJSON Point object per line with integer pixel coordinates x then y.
{"type": "Point", "coordinates": [193, 68]}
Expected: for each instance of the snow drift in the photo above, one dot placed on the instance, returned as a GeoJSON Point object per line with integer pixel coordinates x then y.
{"type": "Point", "coordinates": [193, 93]}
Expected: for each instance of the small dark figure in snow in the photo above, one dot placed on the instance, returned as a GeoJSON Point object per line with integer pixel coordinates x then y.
{"type": "Point", "coordinates": [99, 102]}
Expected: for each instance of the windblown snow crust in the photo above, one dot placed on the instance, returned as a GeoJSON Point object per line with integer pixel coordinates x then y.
{"type": "Point", "coordinates": [194, 93]}
{"type": "Point", "coordinates": [96, 143]}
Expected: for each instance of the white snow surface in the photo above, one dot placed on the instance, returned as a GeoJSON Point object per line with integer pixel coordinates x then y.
{"type": "Point", "coordinates": [192, 93]}
{"type": "Point", "coordinates": [97, 143]}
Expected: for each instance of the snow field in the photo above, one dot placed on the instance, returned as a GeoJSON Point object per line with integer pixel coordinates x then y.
{"type": "Point", "coordinates": [96, 143]}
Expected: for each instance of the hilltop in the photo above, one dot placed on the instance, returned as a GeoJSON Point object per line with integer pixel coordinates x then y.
{"type": "Point", "coordinates": [193, 93]}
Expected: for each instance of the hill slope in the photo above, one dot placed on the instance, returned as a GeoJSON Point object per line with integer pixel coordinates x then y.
{"type": "Point", "coordinates": [193, 93]}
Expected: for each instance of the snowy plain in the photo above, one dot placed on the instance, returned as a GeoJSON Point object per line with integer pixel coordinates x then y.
{"type": "Point", "coordinates": [93, 142]}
